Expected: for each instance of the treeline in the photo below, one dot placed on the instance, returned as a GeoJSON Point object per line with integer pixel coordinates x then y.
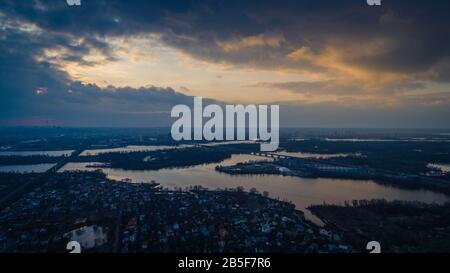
{"type": "Point", "coordinates": [383, 203]}
{"type": "Point", "coordinates": [159, 159]}
{"type": "Point", "coordinates": [398, 226]}
{"type": "Point", "coordinates": [252, 168]}
{"type": "Point", "coordinates": [9, 181]}
{"type": "Point", "coordinates": [410, 157]}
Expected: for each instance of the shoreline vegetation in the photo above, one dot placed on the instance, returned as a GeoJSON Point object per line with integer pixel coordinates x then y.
{"type": "Point", "coordinates": [404, 181]}
{"type": "Point", "coordinates": [142, 217]}
{"type": "Point", "coordinates": [404, 164]}
{"type": "Point", "coordinates": [400, 227]}
{"type": "Point", "coordinates": [374, 161]}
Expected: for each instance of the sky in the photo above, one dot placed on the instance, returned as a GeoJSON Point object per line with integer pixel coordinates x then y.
{"type": "Point", "coordinates": [127, 63]}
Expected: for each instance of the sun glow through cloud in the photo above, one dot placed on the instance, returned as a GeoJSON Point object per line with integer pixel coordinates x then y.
{"type": "Point", "coordinates": [336, 58]}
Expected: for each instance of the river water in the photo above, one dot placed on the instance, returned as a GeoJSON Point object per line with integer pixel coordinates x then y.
{"type": "Point", "coordinates": [36, 168]}
{"type": "Point", "coordinates": [302, 192]}
{"type": "Point", "coordinates": [29, 153]}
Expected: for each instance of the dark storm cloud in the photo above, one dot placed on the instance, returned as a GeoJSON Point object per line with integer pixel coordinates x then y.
{"type": "Point", "coordinates": [34, 90]}
{"type": "Point", "coordinates": [402, 37]}
{"type": "Point", "coordinates": [417, 32]}
{"type": "Point", "coordinates": [409, 36]}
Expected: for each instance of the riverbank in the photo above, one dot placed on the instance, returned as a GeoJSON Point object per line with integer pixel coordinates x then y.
{"type": "Point", "coordinates": [402, 227]}
{"type": "Point", "coordinates": [320, 169]}
{"type": "Point", "coordinates": [145, 218]}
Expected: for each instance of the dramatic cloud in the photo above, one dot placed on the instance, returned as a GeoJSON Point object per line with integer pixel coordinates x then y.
{"type": "Point", "coordinates": [34, 90]}
{"type": "Point", "coordinates": [400, 37]}
{"type": "Point", "coordinates": [345, 93]}
{"type": "Point", "coordinates": [107, 58]}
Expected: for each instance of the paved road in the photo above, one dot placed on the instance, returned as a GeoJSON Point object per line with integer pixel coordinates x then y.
{"type": "Point", "coordinates": [33, 183]}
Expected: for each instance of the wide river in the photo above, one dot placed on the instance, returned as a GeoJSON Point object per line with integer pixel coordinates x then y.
{"type": "Point", "coordinates": [302, 192]}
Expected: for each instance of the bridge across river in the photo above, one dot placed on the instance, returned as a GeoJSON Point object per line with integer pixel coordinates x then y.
{"type": "Point", "coordinates": [275, 155]}
{"type": "Point", "coordinates": [35, 182]}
